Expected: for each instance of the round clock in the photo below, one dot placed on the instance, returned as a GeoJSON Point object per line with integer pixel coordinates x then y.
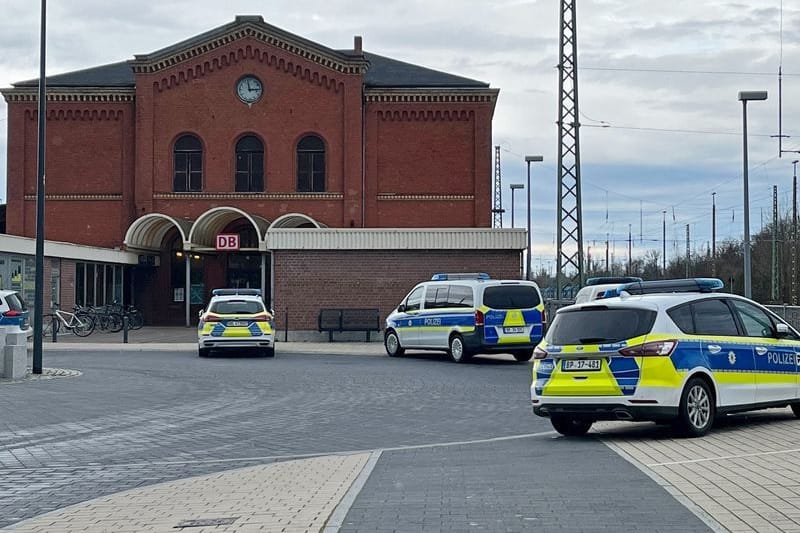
{"type": "Point", "coordinates": [249, 89]}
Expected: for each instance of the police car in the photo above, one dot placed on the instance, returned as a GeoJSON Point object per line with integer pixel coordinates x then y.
{"type": "Point", "coordinates": [467, 314]}
{"type": "Point", "coordinates": [668, 351]}
{"type": "Point", "coordinates": [14, 313]}
{"type": "Point", "coordinates": [236, 319]}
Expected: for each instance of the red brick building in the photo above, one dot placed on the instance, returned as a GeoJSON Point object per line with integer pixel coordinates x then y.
{"type": "Point", "coordinates": [250, 130]}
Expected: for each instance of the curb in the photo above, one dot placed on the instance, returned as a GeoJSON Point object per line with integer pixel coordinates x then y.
{"type": "Point", "coordinates": [280, 347]}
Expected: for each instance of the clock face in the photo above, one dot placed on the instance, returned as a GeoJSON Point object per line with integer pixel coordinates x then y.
{"type": "Point", "coordinates": [249, 89]}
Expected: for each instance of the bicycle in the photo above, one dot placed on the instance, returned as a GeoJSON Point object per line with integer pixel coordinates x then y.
{"type": "Point", "coordinates": [135, 316]}
{"type": "Point", "coordinates": [81, 325]}
{"type": "Point", "coordinates": [105, 317]}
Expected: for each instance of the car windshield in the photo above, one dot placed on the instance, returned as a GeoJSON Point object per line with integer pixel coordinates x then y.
{"type": "Point", "coordinates": [236, 307]}
{"type": "Point", "coordinates": [599, 325]}
{"type": "Point", "coordinates": [511, 297]}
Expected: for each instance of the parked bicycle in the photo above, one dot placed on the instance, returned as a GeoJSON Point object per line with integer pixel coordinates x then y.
{"type": "Point", "coordinates": [135, 317]}
{"type": "Point", "coordinates": [105, 318]}
{"type": "Point", "coordinates": [81, 325]}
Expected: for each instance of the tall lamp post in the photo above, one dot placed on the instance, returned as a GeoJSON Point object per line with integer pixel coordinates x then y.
{"type": "Point", "coordinates": [530, 159]}
{"type": "Point", "coordinates": [744, 97]}
{"type": "Point", "coordinates": [514, 187]}
{"type": "Point", "coordinates": [38, 299]}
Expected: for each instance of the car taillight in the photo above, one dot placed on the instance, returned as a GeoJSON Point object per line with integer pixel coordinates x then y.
{"type": "Point", "coordinates": [210, 318]}
{"type": "Point", "coordinates": [13, 312]}
{"type": "Point", "coordinates": [650, 349]}
{"type": "Point", "coordinates": [260, 318]}
{"type": "Point", "coordinates": [478, 318]}
{"type": "Point", "coordinates": [538, 353]}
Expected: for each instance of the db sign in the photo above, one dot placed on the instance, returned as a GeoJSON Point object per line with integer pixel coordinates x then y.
{"type": "Point", "coordinates": [228, 241]}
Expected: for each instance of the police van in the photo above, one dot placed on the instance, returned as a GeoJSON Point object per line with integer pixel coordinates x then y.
{"type": "Point", "coordinates": [672, 351]}
{"type": "Point", "coordinates": [467, 314]}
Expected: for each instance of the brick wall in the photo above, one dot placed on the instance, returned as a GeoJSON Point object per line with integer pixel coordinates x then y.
{"type": "Point", "coordinates": [307, 281]}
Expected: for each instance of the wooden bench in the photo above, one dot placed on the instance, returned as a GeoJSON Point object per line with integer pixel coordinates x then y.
{"type": "Point", "coordinates": [366, 320]}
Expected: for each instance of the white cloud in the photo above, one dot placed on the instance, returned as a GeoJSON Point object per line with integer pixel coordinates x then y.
{"type": "Point", "coordinates": [513, 44]}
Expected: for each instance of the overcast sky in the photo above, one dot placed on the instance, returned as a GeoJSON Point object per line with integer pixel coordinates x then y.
{"type": "Point", "coordinates": [630, 55]}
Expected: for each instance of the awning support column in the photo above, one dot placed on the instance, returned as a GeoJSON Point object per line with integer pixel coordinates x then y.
{"type": "Point", "coordinates": [186, 297]}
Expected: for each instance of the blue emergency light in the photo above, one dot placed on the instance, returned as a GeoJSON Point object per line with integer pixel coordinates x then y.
{"type": "Point", "coordinates": [460, 275]}
{"type": "Point", "coordinates": [668, 286]}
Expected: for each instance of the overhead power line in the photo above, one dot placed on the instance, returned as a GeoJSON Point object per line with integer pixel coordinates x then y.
{"type": "Point", "coordinates": [683, 71]}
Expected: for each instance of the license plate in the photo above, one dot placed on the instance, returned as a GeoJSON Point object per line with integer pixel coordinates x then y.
{"type": "Point", "coordinates": [578, 365]}
{"type": "Point", "coordinates": [238, 323]}
{"type": "Point", "coordinates": [514, 330]}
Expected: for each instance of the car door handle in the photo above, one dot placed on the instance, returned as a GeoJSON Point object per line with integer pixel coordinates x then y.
{"type": "Point", "coordinates": [760, 350]}
{"type": "Point", "coordinates": [714, 348]}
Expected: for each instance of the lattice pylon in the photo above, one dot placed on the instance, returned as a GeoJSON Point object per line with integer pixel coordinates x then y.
{"type": "Point", "coordinates": [497, 210]}
{"type": "Point", "coordinates": [569, 255]}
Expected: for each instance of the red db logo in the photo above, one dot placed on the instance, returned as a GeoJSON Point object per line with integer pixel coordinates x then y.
{"type": "Point", "coordinates": [228, 241]}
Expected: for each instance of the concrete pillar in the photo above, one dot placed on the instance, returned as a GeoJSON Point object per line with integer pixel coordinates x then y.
{"type": "Point", "coordinates": [15, 354]}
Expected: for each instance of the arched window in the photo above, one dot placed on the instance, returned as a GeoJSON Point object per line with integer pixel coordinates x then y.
{"type": "Point", "coordinates": [311, 164]}
{"type": "Point", "coordinates": [249, 164]}
{"type": "Point", "coordinates": [188, 164]}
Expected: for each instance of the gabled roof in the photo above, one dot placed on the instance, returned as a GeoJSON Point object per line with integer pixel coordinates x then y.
{"type": "Point", "coordinates": [387, 72]}
{"type": "Point", "coordinates": [112, 75]}
{"type": "Point", "coordinates": [381, 72]}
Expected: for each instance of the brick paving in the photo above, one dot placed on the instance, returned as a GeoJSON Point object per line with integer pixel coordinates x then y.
{"type": "Point", "coordinates": [744, 474]}
{"type": "Point", "coordinates": [540, 484]}
{"type": "Point", "coordinates": [134, 419]}
{"type": "Point", "coordinates": [291, 496]}
{"type": "Point", "coordinates": [138, 418]}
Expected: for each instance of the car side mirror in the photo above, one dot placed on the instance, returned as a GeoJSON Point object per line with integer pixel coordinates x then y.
{"type": "Point", "coordinates": [781, 330]}
{"type": "Point", "coordinates": [401, 308]}
{"type": "Point", "coordinates": [200, 314]}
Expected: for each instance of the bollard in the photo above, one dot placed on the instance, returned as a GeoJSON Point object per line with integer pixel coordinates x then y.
{"type": "Point", "coordinates": [125, 328]}
{"type": "Point", "coordinates": [286, 326]}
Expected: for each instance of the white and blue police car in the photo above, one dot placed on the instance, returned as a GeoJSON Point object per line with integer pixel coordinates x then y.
{"type": "Point", "coordinates": [672, 351]}
{"type": "Point", "coordinates": [468, 314]}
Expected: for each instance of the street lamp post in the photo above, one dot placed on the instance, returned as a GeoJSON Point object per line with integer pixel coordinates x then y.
{"type": "Point", "coordinates": [514, 187]}
{"type": "Point", "coordinates": [530, 159]}
{"type": "Point", "coordinates": [744, 97]}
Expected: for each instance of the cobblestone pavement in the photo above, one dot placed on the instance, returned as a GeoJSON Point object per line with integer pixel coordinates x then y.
{"type": "Point", "coordinates": [744, 474]}
{"type": "Point", "coordinates": [291, 496]}
{"type": "Point", "coordinates": [134, 419]}
{"type": "Point", "coordinates": [541, 484]}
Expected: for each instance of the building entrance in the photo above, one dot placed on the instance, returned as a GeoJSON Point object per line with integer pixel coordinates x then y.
{"type": "Point", "coordinates": [244, 271]}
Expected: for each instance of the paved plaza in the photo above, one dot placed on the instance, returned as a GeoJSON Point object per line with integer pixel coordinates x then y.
{"type": "Point", "coordinates": [341, 438]}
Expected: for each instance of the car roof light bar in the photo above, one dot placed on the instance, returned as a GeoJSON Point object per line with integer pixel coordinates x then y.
{"type": "Point", "coordinates": [459, 275]}
{"type": "Point", "coordinates": [236, 292]}
{"type": "Point", "coordinates": [612, 279]}
{"type": "Point", "coordinates": [671, 285]}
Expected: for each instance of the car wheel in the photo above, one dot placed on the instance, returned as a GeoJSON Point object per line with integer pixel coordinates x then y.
{"type": "Point", "coordinates": [392, 344]}
{"type": "Point", "coordinates": [268, 352]}
{"type": "Point", "coordinates": [696, 411]}
{"type": "Point", "coordinates": [523, 355]}
{"type": "Point", "coordinates": [458, 352]}
{"type": "Point", "coordinates": [570, 426]}
{"type": "Point", "coordinates": [204, 352]}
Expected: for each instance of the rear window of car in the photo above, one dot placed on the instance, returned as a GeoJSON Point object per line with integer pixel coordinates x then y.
{"type": "Point", "coordinates": [15, 303]}
{"type": "Point", "coordinates": [236, 307]}
{"type": "Point", "coordinates": [511, 297]}
{"type": "Point", "coordinates": [599, 325]}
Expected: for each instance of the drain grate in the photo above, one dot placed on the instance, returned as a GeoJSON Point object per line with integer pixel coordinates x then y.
{"type": "Point", "coordinates": [201, 522]}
